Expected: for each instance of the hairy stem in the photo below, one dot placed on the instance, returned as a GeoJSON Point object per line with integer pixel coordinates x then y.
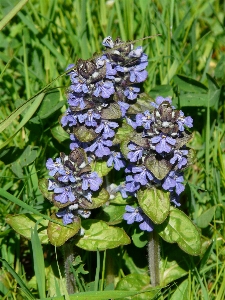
{"type": "Point", "coordinates": [154, 258]}
{"type": "Point", "coordinates": [68, 254]}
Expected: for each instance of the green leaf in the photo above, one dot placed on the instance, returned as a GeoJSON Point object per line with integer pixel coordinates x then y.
{"type": "Point", "coordinates": [18, 279]}
{"type": "Point", "coordinates": [181, 292]}
{"type": "Point", "coordinates": [23, 223]}
{"type": "Point", "coordinates": [50, 104]}
{"type": "Point", "coordinates": [112, 214]}
{"type": "Point", "coordinates": [142, 104]}
{"type": "Point", "coordinates": [192, 99]}
{"type": "Point", "coordinates": [183, 140]}
{"type": "Point", "coordinates": [189, 85]}
{"type": "Point", "coordinates": [58, 235]}
{"type": "Point", "coordinates": [138, 282]}
{"type": "Point", "coordinates": [206, 217]}
{"type": "Point", "coordinates": [99, 198]}
{"type": "Point", "coordinates": [155, 204]}
{"type": "Point", "coordinates": [84, 134]}
{"type": "Point", "coordinates": [28, 156]}
{"type": "Point", "coordinates": [43, 186]}
{"type": "Point", "coordinates": [214, 91]}
{"type": "Point", "coordinates": [159, 167]}
{"type": "Point", "coordinates": [60, 134]}
{"type": "Point", "coordinates": [179, 229]}
{"type": "Point", "coordinates": [111, 112]}
{"type": "Point", "coordinates": [220, 68]}
{"type": "Point", "coordinates": [100, 236]}
{"type": "Point", "coordinates": [139, 140]}
{"type": "Point", "coordinates": [124, 148]}
{"type": "Point", "coordinates": [161, 90]}
{"type": "Point", "coordinates": [123, 133]}
{"type": "Point", "coordinates": [100, 167]}
{"type": "Point", "coordinates": [139, 239]}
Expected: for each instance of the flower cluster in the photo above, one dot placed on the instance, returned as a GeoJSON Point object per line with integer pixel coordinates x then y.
{"type": "Point", "coordinates": [160, 156]}
{"type": "Point", "coordinates": [72, 185]}
{"type": "Point", "coordinates": [101, 91]}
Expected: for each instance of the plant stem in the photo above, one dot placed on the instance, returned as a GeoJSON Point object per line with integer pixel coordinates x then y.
{"type": "Point", "coordinates": [68, 254]}
{"type": "Point", "coordinates": [154, 258]}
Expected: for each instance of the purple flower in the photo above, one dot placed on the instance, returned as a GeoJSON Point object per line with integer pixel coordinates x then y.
{"type": "Point", "coordinates": [159, 100]}
{"type": "Point", "coordinates": [90, 116]}
{"type": "Point", "coordinates": [106, 127]}
{"type": "Point", "coordinates": [179, 157]}
{"type": "Point", "coordinates": [147, 225]}
{"type": "Point", "coordinates": [54, 167]}
{"type": "Point", "coordinates": [137, 215]}
{"type": "Point", "coordinates": [137, 75]}
{"type": "Point", "coordinates": [175, 199]}
{"type": "Point", "coordinates": [69, 117]}
{"type": "Point", "coordinates": [66, 175]}
{"type": "Point", "coordinates": [104, 89]}
{"type": "Point", "coordinates": [142, 175]}
{"type": "Point", "coordinates": [76, 101]}
{"type": "Point", "coordinates": [110, 72]}
{"type": "Point", "coordinates": [66, 215]}
{"type": "Point", "coordinates": [163, 143]}
{"type": "Point", "coordinates": [131, 185]}
{"type": "Point", "coordinates": [136, 52]}
{"type": "Point", "coordinates": [116, 159]}
{"type": "Point", "coordinates": [131, 123]}
{"type": "Point", "coordinates": [65, 194]}
{"type": "Point", "coordinates": [132, 215]}
{"type": "Point", "coordinates": [144, 119]}
{"type": "Point", "coordinates": [123, 107]}
{"type": "Point", "coordinates": [187, 121]}
{"type": "Point", "coordinates": [102, 147]}
{"type": "Point", "coordinates": [136, 152]}
{"type": "Point", "coordinates": [174, 181]}
{"type": "Point", "coordinates": [76, 143]}
{"type": "Point", "coordinates": [84, 213]}
{"type": "Point", "coordinates": [108, 42]}
{"type": "Point", "coordinates": [79, 85]}
{"type": "Point", "coordinates": [131, 92]}
{"type": "Point", "coordinates": [92, 181]}
{"type": "Point", "coordinates": [52, 185]}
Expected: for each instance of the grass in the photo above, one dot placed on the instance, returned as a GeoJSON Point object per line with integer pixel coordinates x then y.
{"type": "Point", "coordinates": [38, 40]}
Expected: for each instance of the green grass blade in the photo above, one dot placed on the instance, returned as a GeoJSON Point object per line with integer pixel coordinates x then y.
{"type": "Point", "coordinates": [26, 118]}
{"type": "Point", "coordinates": [12, 13]}
{"type": "Point", "coordinates": [38, 258]}
{"type": "Point", "coordinates": [97, 272]}
{"type": "Point", "coordinates": [18, 279]}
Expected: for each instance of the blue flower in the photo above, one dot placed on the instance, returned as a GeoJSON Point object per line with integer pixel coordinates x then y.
{"type": "Point", "coordinates": [159, 100]}
{"type": "Point", "coordinates": [84, 213]}
{"type": "Point", "coordinates": [92, 181]}
{"type": "Point", "coordinates": [79, 85]}
{"type": "Point", "coordinates": [69, 117]}
{"type": "Point", "coordinates": [142, 176]}
{"type": "Point", "coordinates": [65, 194]}
{"type": "Point", "coordinates": [54, 167]}
{"type": "Point", "coordinates": [106, 127]}
{"type": "Point", "coordinates": [136, 152]}
{"type": "Point", "coordinates": [123, 107]}
{"type": "Point", "coordinates": [108, 42]}
{"type": "Point", "coordinates": [90, 116]}
{"type": "Point", "coordinates": [173, 181]}
{"type": "Point", "coordinates": [74, 100]}
{"type": "Point", "coordinates": [110, 72]}
{"type": "Point", "coordinates": [104, 89]}
{"type": "Point", "coordinates": [100, 147]}
{"type": "Point", "coordinates": [131, 92]}
{"type": "Point", "coordinates": [179, 158]}
{"type": "Point", "coordinates": [137, 215]}
{"type": "Point", "coordinates": [144, 119]}
{"type": "Point", "coordinates": [116, 159]}
{"type": "Point", "coordinates": [132, 215]}
{"type": "Point", "coordinates": [136, 52]}
{"type": "Point", "coordinates": [163, 143]}
{"type": "Point", "coordinates": [131, 185]}
{"type": "Point", "coordinates": [187, 121]}
{"type": "Point", "coordinates": [66, 175]}
{"type": "Point", "coordinates": [66, 215]}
